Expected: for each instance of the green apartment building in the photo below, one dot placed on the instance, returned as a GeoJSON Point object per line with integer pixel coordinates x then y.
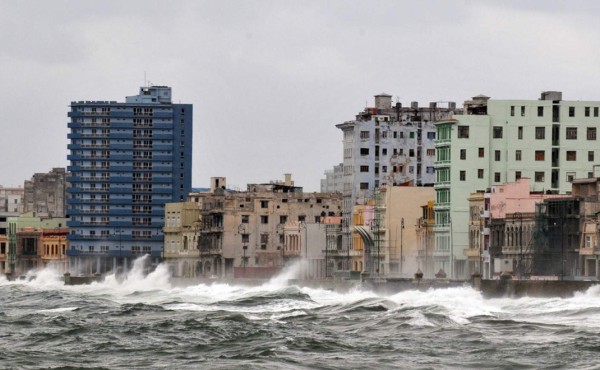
{"type": "Point", "coordinates": [550, 140]}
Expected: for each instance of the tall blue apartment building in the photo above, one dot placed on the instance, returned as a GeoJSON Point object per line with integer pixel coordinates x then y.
{"type": "Point", "coordinates": [126, 161]}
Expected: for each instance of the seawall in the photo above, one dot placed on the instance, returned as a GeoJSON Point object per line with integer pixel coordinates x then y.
{"type": "Point", "coordinates": [533, 288]}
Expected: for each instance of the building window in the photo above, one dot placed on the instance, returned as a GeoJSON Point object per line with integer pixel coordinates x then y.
{"type": "Point", "coordinates": [264, 219]}
{"type": "Point", "coordinates": [463, 154]}
{"type": "Point", "coordinates": [571, 133]}
{"type": "Point", "coordinates": [512, 110]}
{"type": "Point", "coordinates": [540, 111]}
{"type": "Point", "coordinates": [430, 152]}
{"type": "Point", "coordinates": [595, 111]}
{"type": "Point", "coordinates": [539, 176]}
{"type": "Point", "coordinates": [591, 156]}
{"type": "Point", "coordinates": [570, 176]}
{"type": "Point", "coordinates": [384, 169]}
{"type": "Point", "coordinates": [497, 132]}
{"type": "Point", "coordinates": [431, 135]}
{"type": "Point", "coordinates": [497, 176]}
{"type": "Point", "coordinates": [540, 155]}
{"type": "Point", "coordinates": [517, 175]}
{"type": "Point", "coordinates": [587, 111]}
{"type": "Point", "coordinates": [522, 111]}
{"type": "Point", "coordinates": [364, 186]}
{"type": "Point", "coordinates": [591, 133]}
{"type": "Point", "coordinates": [571, 155]}
{"type": "Point", "coordinates": [245, 219]}
{"type": "Point", "coordinates": [497, 155]}
{"type": "Point", "coordinates": [411, 152]}
{"type": "Point", "coordinates": [364, 168]}
{"type": "Point", "coordinates": [301, 218]}
{"type": "Point", "coordinates": [384, 151]}
{"type": "Point", "coordinates": [283, 219]}
{"type": "Point", "coordinates": [364, 151]}
{"type": "Point", "coordinates": [463, 132]}
{"type": "Point", "coordinates": [517, 155]}
{"type": "Point", "coordinates": [364, 134]}
{"type": "Point", "coordinates": [430, 169]}
{"type": "Point", "coordinates": [481, 152]}
{"type": "Point", "coordinates": [264, 204]}
{"type": "Point", "coordinates": [520, 133]}
{"type": "Point", "coordinates": [480, 173]}
{"type": "Point", "coordinates": [540, 133]}
{"type": "Point", "coordinates": [245, 238]}
{"type": "Point", "coordinates": [571, 111]}
{"type": "Point", "coordinates": [463, 175]}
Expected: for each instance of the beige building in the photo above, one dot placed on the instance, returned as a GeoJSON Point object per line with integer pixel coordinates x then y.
{"type": "Point", "coordinates": [426, 240]}
{"type": "Point", "coordinates": [245, 231]}
{"type": "Point", "coordinates": [402, 209]}
{"type": "Point", "coordinates": [181, 249]}
{"type": "Point", "coordinates": [589, 251]}
{"type": "Point", "coordinates": [392, 225]}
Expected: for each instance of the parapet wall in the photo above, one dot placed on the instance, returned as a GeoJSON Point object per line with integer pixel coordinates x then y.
{"type": "Point", "coordinates": [533, 288]}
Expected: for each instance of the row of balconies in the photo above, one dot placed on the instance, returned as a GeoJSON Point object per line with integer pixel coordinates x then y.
{"type": "Point", "coordinates": [121, 135]}
{"type": "Point", "coordinates": [114, 237]}
{"type": "Point", "coordinates": [119, 201]}
{"type": "Point", "coordinates": [156, 167]}
{"type": "Point", "coordinates": [123, 114]}
{"type": "Point", "coordinates": [114, 212]}
{"type": "Point", "coordinates": [155, 179]}
{"type": "Point", "coordinates": [120, 157]}
{"type": "Point", "coordinates": [122, 125]}
{"type": "Point", "coordinates": [105, 224]}
{"type": "Point", "coordinates": [122, 146]}
{"type": "Point", "coordinates": [119, 190]}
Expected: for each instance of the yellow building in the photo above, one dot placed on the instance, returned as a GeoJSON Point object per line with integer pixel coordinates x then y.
{"type": "Point", "coordinates": [54, 248]}
{"type": "Point", "coordinates": [388, 224]}
{"type": "Point", "coordinates": [426, 240]}
{"type": "Point", "coordinates": [182, 234]}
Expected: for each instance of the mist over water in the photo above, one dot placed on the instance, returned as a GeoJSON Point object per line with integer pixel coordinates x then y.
{"type": "Point", "coordinates": [147, 321]}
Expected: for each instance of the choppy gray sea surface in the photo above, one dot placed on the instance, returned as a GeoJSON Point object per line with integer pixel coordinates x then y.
{"type": "Point", "coordinates": [145, 322]}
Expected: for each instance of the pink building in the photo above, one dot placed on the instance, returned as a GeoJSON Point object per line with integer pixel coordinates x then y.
{"type": "Point", "coordinates": [508, 228]}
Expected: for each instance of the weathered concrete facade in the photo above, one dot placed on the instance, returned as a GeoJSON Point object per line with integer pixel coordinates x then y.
{"type": "Point", "coordinates": [247, 230]}
{"type": "Point", "coordinates": [388, 145]}
{"type": "Point", "coordinates": [182, 234]}
{"type": "Point", "coordinates": [45, 193]}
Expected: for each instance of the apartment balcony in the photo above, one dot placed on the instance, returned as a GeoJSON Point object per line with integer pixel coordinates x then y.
{"type": "Point", "coordinates": [211, 251]}
{"type": "Point", "coordinates": [471, 252]}
{"type": "Point", "coordinates": [445, 142]}
{"type": "Point", "coordinates": [513, 249]}
{"type": "Point", "coordinates": [443, 185]}
{"type": "Point", "coordinates": [589, 251]}
{"type": "Point", "coordinates": [441, 253]}
{"type": "Point", "coordinates": [441, 207]}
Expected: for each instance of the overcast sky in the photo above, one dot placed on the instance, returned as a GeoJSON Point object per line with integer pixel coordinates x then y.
{"type": "Point", "coordinates": [269, 80]}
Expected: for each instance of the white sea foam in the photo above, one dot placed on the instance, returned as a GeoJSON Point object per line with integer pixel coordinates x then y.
{"type": "Point", "coordinates": [58, 310]}
{"type": "Point", "coordinates": [460, 305]}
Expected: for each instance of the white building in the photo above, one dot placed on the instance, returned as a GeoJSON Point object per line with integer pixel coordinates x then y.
{"type": "Point", "coordinates": [549, 140]}
{"type": "Point", "coordinates": [388, 145]}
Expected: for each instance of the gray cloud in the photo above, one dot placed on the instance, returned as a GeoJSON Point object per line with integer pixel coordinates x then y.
{"type": "Point", "coordinates": [270, 79]}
